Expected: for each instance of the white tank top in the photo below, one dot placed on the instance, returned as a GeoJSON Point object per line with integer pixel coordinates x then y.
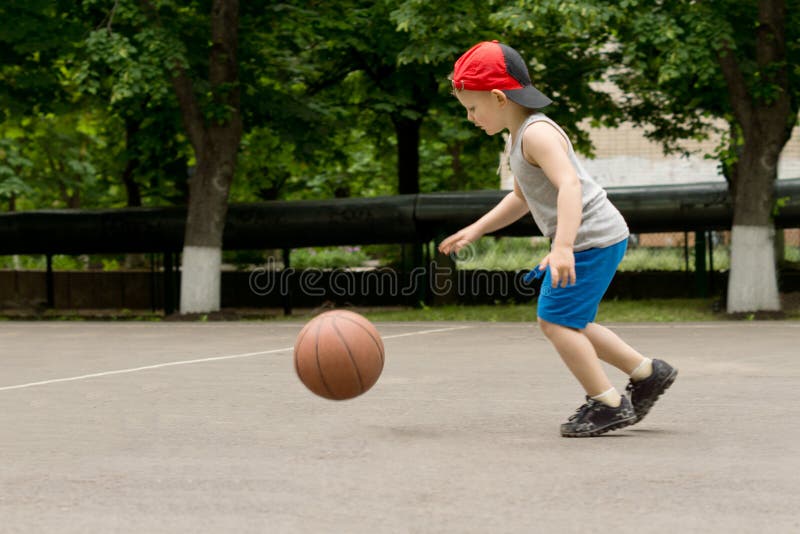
{"type": "Point", "coordinates": [601, 226]}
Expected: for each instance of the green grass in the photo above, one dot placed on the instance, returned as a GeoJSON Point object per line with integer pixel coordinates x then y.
{"type": "Point", "coordinates": [611, 311]}
{"type": "Point", "coordinates": [327, 257]}
{"type": "Point", "coordinates": [502, 254]}
{"type": "Point", "coordinates": [651, 310]}
{"type": "Point", "coordinates": [656, 310]}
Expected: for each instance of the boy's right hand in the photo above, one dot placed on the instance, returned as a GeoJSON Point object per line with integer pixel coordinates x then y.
{"type": "Point", "coordinates": [459, 240]}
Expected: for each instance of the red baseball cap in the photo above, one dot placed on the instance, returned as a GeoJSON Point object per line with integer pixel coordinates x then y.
{"type": "Point", "coordinates": [491, 65]}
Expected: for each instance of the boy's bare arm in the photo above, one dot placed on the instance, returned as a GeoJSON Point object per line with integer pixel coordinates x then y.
{"type": "Point", "coordinates": [545, 147]}
{"type": "Point", "coordinates": [507, 211]}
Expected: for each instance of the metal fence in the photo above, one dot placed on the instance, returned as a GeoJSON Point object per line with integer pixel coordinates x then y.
{"type": "Point", "coordinates": [679, 227]}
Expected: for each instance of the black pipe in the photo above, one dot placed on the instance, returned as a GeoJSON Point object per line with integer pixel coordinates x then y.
{"type": "Point", "coordinates": [356, 221]}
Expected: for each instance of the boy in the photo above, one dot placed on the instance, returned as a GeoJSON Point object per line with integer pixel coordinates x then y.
{"type": "Point", "coordinates": [588, 235]}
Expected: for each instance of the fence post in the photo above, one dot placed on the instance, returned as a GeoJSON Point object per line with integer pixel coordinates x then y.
{"type": "Point", "coordinates": [153, 283]}
{"type": "Point", "coordinates": [444, 276]}
{"type": "Point", "coordinates": [700, 277]}
{"type": "Point", "coordinates": [169, 284]}
{"type": "Point", "coordinates": [286, 298]}
{"type": "Point", "coordinates": [50, 282]}
{"type": "Point", "coordinates": [412, 260]}
{"type": "Point", "coordinates": [712, 287]}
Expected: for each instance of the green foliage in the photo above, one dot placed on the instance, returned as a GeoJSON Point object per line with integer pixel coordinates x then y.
{"type": "Point", "coordinates": [13, 167]}
{"type": "Point", "coordinates": [90, 116]}
{"type": "Point", "coordinates": [327, 257]}
{"type": "Point", "coordinates": [324, 87]}
{"type": "Point", "coordinates": [266, 166]}
{"type": "Point", "coordinates": [567, 46]}
{"type": "Point", "coordinates": [35, 36]}
{"type": "Point", "coordinates": [502, 254]}
{"type": "Point", "coordinates": [792, 254]}
{"type": "Point", "coordinates": [58, 160]}
{"type": "Point", "coordinates": [564, 43]}
{"type": "Point", "coordinates": [780, 203]}
{"type": "Point", "coordinates": [102, 262]}
{"type": "Point", "coordinates": [669, 64]}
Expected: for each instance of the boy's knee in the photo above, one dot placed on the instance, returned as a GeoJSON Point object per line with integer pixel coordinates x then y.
{"type": "Point", "coordinates": [547, 328]}
{"type": "Point", "coordinates": [551, 329]}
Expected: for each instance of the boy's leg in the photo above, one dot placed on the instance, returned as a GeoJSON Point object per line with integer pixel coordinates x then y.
{"type": "Point", "coordinates": [563, 314]}
{"type": "Point", "coordinates": [611, 349]}
{"type": "Point", "coordinates": [605, 409]}
{"type": "Point", "coordinates": [580, 356]}
{"type": "Point", "coordinates": [649, 378]}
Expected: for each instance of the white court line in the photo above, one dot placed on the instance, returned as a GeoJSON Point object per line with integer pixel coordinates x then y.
{"type": "Point", "coordinates": [448, 329]}
{"type": "Point", "coordinates": [201, 360]}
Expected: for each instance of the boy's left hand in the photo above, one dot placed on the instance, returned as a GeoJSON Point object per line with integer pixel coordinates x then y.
{"type": "Point", "coordinates": [561, 261]}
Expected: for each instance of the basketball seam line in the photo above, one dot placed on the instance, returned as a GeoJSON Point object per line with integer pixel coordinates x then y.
{"type": "Point", "coordinates": [377, 343]}
{"type": "Point", "coordinates": [350, 355]}
{"type": "Point", "coordinates": [319, 367]}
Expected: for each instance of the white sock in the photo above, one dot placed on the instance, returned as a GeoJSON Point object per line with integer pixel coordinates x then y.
{"type": "Point", "coordinates": [643, 370]}
{"type": "Point", "coordinates": [610, 397]}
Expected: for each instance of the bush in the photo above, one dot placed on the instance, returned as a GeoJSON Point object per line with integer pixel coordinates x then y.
{"type": "Point", "coordinates": [327, 257]}
{"type": "Point", "coordinates": [502, 254]}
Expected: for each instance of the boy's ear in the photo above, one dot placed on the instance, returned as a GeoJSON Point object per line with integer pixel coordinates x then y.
{"type": "Point", "coordinates": [501, 97]}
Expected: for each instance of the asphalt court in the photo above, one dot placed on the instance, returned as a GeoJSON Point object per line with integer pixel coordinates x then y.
{"type": "Point", "coordinates": [203, 427]}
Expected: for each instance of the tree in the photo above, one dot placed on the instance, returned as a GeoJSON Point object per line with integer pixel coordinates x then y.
{"type": "Point", "coordinates": [687, 63]}
{"type": "Point", "coordinates": [120, 69]}
{"type": "Point", "coordinates": [354, 48]}
{"type": "Point", "coordinates": [13, 165]}
{"type": "Point", "coordinates": [136, 53]}
{"type": "Point", "coordinates": [563, 43]}
{"type": "Point", "coordinates": [47, 154]}
{"type": "Point", "coordinates": [214, 131]}
{"type": "Point", "coordinates": [34, 37]}
{"type": "Point", "coordinates": [81, 98]}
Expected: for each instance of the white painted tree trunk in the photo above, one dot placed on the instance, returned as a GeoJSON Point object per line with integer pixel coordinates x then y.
{"type": "Point", "coordinates": [201, 279]}
{"type": "Point", "coordinates": [753, 284]}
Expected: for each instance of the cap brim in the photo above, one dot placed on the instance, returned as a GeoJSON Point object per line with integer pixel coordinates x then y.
{"type": "Point", "coordinates": [528, 97]}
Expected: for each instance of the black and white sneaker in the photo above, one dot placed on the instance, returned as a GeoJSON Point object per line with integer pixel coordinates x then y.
{"type": "Point", "coordinates": [595, 418]}
{"type": "Point", "coordinates": [644, 393]}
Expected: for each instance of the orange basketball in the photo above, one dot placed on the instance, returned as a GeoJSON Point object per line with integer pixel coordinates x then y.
{"type": "Point", "coordinates": [338, 355]}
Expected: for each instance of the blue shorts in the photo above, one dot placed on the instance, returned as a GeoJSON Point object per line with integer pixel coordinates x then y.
{"type": "Point", "coordinates": [576, 305]}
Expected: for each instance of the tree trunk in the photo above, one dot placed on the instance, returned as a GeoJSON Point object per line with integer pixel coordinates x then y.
{"type": "Point", "coordinates": [407, 131]}
{"type": "Point", "coordinates": [132, 188]}
{"type": "Point", "coordinates": [205, 223]}
{"type": "Point", "coordinates": [216, 145]}
{"type": "Point", "coordinates": [753, 283]}
{"type": "Point", "coordinates": [458, 179]}
{"type": "Point", "coordinates": [766, 124]}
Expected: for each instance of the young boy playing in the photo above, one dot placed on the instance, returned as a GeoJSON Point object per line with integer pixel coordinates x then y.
{"type": "Point", "coordinates": [588, 237]}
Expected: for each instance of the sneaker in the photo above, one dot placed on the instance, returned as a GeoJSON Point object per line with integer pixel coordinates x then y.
{"type": "Point", "coordinates": [644, 393]}
{"type": "Point", "coordinates": [595, 418]}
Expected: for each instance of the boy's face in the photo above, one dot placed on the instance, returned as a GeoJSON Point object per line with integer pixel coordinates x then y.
{"type": "Point", "coordinates": [484, 109]}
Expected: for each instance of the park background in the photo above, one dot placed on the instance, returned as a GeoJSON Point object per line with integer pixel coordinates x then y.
{"type": "Point", "coordinates": [128, 104]}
